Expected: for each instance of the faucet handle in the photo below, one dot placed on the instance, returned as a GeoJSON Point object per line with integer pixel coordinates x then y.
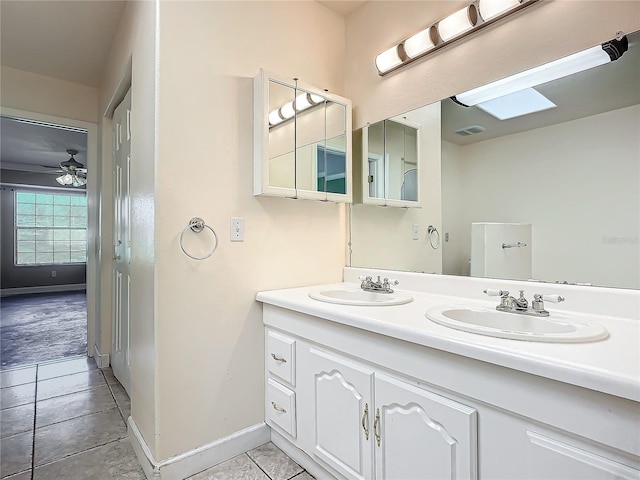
{"type": "Point", "coordinates": [553, 298]}
{"type": "Point", "coordinates": [496, 293]}
{"type": "Point", "coordinates": [362, 278]}
{"type": "Point", "coordinates": [391, 281]}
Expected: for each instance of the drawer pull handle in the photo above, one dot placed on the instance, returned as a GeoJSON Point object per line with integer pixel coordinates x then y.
{"type": "Point", "coordinates": [365, 417]}
{"type": "Point", "coordinates": [376, 426]}
{"type": "Point", "coordinates": [278, 359]}
{"type": "Point", "coordinates": [277, 408]}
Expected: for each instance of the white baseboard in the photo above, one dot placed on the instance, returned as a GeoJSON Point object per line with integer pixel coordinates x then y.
{"type": "Point", "coordinates": [300, 457]}
{"type": "Point", "coordinates": [102, 360]}
{"type": "Point", "coordinates": [199, 459]}
{"type": "Point", "coordinates": [6, 292]}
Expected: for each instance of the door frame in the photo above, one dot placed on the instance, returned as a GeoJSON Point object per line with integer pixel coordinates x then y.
{"type": "Point", "coordinates": [94, 247]}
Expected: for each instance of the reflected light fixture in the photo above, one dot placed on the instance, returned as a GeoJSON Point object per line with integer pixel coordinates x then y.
{"type": "Point", "coordinates": [584, 60]}
{"type": "Point", "coordinates": [446, 31]}
{"type": "Point", "coordinates": [301, 103]}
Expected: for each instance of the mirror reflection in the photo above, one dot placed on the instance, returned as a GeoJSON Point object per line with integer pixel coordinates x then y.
{"type": "Point", "coordinates": [307, 141]}
{"type": "Point", "coordinates": [552, 195]}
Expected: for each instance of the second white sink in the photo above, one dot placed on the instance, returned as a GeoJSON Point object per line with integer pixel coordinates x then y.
{"type": "Point", "coordinates": [558, 327]}
{"type": "Point", "coordinates": [360, 297]}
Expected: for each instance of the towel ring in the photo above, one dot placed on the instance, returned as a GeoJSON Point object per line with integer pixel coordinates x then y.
{"type": "Point", "coordinates": [196, 225]}
{"type": "Point", "coordinates": [430, 231]}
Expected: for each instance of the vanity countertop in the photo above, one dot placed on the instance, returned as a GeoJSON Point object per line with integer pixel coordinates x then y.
{"type": "Point", "coordinates": [611, 365]}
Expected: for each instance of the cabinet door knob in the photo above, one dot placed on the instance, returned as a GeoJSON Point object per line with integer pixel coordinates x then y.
{"type": "Point", "coordinates": [277, 408]}
{"type": "Point", "coordinates": [376, 426]}
{"type": "Point", "coordinates": [278, 359]}
{"type": "Point", "coordinates": [365, 417]}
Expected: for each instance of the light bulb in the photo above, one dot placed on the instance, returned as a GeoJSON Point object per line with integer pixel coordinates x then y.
{"type": "Point", "coordinates": [60, 179]}
{"type": "Point", "coordinates": [492, 8]}
{"type": "Point", "coordinates": [418, 44]}
{"type": "Point", "coordinates": [456, 24]}
{"type": "Point", "coordinates": [302, 102]}
{"type": "Point", "coordinates": [274, 118]}
{"type": "Point", "coordinates": [287, 111]}
{"type": "Point", "coordinates": [315, 99]}
{"type": "Point", "coordinates": [388, 60]}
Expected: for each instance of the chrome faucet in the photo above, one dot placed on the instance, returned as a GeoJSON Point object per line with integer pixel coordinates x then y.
{"type": "Point", "coordinates": [379, 286]}
{"type": "Point", "coordinates": [520, 305]}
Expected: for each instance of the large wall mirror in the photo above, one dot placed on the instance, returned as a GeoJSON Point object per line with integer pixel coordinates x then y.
{"type": "Point", "coordinates": [552, 196]}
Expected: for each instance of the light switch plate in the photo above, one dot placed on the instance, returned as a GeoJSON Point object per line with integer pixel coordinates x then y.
{"type": "Point", "coordinates": [416, 231]}
{"type": "Point", "coordinates": [237, 229]}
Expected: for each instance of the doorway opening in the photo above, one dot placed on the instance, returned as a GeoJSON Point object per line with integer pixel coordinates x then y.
{"type": "Point", "coordinates": [45, 238]}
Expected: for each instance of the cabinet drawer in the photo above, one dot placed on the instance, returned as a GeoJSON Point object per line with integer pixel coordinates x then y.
{"type": "Point", "coordinates": [281, 406]}
{"type": "Point", "coordinates": [281, 357]}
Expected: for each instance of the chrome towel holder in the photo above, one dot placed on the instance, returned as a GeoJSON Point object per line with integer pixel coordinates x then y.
{"type": "Point", "coordinates": [197, 225]}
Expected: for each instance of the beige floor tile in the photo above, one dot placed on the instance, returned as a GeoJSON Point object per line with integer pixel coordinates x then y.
{"type": "Point", "coordinates": [115, 460]}
{"type": "Point", "coordinates": [73, 383]}
{"type": "Point", "coordinates": [238, 468]}
{"type": "Point", "coordinates": [63, 408]}
{"type": "Point", "coordinates": [125, 410]}
{"type": "Point", "coordinates": [120, 393]}
{"type": "Point", "coordinates": [17, 376]}
{"type": "Point", "coordinates": [15, 453]}
{"type": "Point", "coordinates": [20, 476]}
{"type": "Point", "coordinates": [73, 436]}
{"type": "Point", "coordinates": [18, 395]}
{"type": "Point", "coordinates": [109, 376]}
{"type": "Point", "coordinates": [16, 420]}
{"type": "Point", "coordinates": [303, 476]}
{"type": "Point", "coordinates": [274, 462]}
{"type": "Point", "coordinates": [65, 367]}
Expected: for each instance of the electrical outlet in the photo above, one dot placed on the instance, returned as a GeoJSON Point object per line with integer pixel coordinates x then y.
{"type": "Point", "coordinates": [53, 273]}
{"type": "Point", "coordinates": [446, 236]}
{"type": "Point", "coordinates": [237, 229]}
{"type": "Point", "coordinates": [416, 231]}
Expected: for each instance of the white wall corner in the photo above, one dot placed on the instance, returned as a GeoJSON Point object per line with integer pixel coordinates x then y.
{"type": "Point", "coordinates": [102, 359]}
{"type": "Point", "coordinates": [199, 459]}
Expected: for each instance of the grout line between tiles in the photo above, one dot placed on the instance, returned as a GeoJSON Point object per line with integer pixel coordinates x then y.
{"type": "Point", "coordinates": [258, 465]}
{"type": "Point", "coordinates": [79, 416]}
{"type": "Point", "coordinates": [78, 453]}
{"type": "Point", "coordinates": [114, 399]}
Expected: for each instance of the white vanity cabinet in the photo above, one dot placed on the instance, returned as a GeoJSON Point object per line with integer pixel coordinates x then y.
{"type": "Point", "coordinates": [370, 406]}
{"type": "Point", "coordinates": [372, 425]}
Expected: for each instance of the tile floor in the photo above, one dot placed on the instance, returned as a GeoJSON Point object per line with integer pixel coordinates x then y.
{"type": "Point", "coordinates": [67, 420]}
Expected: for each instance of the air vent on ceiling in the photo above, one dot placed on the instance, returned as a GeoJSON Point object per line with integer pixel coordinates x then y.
{"type": "Point", "coordinates": [472, 130]}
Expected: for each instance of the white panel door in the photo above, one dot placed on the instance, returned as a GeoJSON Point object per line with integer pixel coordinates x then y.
{"type": "Point", "coordinates": [422, 436]}
{"type": "Point", "coordinates": [342, 409]}
{"type": "Point", "coordinates": [122, 241]}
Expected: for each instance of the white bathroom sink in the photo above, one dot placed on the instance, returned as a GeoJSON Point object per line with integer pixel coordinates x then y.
{"type": "Point", "coordinates": [360, 297]}
{"type": "Point", "coordinates": [558, 327]}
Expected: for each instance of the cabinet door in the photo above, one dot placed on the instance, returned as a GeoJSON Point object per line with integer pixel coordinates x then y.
{"type": "Point", "coordinates": [342, 408]}
{"type": "Point", "coordinates": [422, 436]}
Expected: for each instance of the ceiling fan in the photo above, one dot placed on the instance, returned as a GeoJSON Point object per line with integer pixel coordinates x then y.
{"type": "Point", "coordinates": [74, 172]}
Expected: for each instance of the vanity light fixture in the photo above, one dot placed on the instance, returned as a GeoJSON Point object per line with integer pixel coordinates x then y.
{"type": "Point", "coordinates": [302, 102]}
{"type": "Point", "coordinates": [457, 25]}
{"type": "Point", "coordinates": [584, 60]}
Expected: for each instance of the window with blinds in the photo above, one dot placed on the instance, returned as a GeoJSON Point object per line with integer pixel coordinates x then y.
{"type": "Point", "coordinates": [50, 228]}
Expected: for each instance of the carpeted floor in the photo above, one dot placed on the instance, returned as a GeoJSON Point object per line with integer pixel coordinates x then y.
{"type": "Point", "coordinates": [41, 327]}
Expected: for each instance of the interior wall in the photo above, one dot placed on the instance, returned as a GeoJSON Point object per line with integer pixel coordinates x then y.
{"type": "Point", "coordinates": [134, 54]}
{"type": "Point", "coordinates": [12, 276]}
{"type": "Point", "coordinates": [393, 246]}
{"type": "Point", "coordinates": [456, 237]}
{"type": "Point", "coordinates": [537, 34]}
{"type": "Point", "coordinates": [593, 241]}
{"type": "Point", "coordinates": [36, 93]}
{"type": "Point", "coordinates": [210, 333]}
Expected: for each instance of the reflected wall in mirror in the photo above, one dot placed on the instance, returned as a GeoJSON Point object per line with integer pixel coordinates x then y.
{"type": "Point", "coordinates": [302, 149]}
{"type": "Point", "coordinates": [571, 172]}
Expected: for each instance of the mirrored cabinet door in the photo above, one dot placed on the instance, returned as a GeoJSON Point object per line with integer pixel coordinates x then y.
{"type": "Point", "coordinates": [390, 164]}
{"type": "Point", "coordinates": [302, 141]}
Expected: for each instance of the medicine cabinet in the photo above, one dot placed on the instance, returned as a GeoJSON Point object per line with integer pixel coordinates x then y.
{"type": "Point", "coordinates": [391, 163]}
{"type": "Point", "coordinates": [302, 140]}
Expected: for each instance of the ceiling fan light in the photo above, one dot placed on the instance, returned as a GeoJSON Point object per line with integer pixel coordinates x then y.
{"type": "Point", "coordinates": [60, 179]}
